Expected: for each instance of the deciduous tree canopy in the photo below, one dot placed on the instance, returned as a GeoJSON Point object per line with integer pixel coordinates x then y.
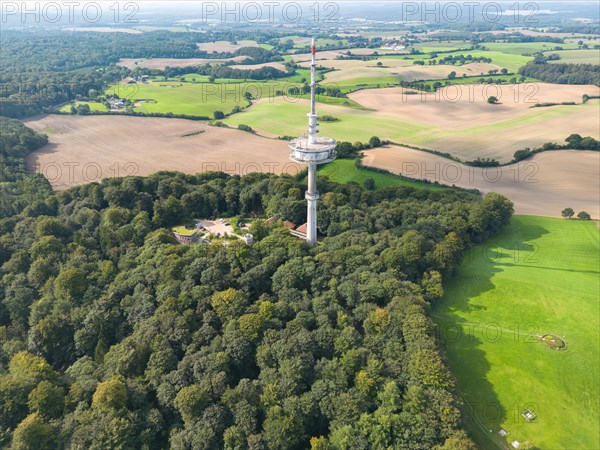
{"type": "Point", "coordinates": [115, 336]}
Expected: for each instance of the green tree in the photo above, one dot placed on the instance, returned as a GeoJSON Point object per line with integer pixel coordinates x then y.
{"type": "Point", "coordinates": [374, 142]}
{"type": "Point", "coordinates": [83, 109]}
{"type": "Point", "coordinates": [567, 213]}
{"type": "Point", "coordinates": [13, 400]}
{"type": "Point", "coordinates": [191, 401]}
{"type": "Point", "coordinates": [369, 184]}
{"type": "Point", "coordinates": [70, 284]}
{"type": "Point", "coordinates": [50, 226]}
{"type": "Point", "coordinates": [492, 100]}
{"type": "Point", "coordinates": [110, 394]}
{"type": "Point", "coordinates": [46, 246]}
{"type": "Point", "coordinates": [47, 399]}
{"type": "Point", "coordinates": [34, 434]}
{"type": "Point", "coordinates": [168, 213]}
{"type": "Point", "coordinates": [229, 304]}
{"type": "Point", "coordinates": [218, 115]}
{"type": "Point", "coordinates": [458, 441]}
{"type": "Point", "coordinates": [583, 215]}
{"type": "Point", "coordinates": [432, 285]}
{"type": "Point", "coordinates": [29, 368]}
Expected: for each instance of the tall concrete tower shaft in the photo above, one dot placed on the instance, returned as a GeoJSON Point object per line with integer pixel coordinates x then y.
{"type": "Point", "coordinates": [312, 150]}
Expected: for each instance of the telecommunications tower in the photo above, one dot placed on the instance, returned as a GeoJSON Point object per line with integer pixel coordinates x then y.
{"type": "Point", "coordinates": [312, 150]}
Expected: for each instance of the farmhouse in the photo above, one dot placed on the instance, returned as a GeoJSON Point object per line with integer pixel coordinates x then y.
{"type": "Point", "coordinates": [116, 103]}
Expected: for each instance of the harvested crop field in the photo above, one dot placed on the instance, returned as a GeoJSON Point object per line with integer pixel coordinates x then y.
{"type": "Point", "coordinates": [332, 54]}
{"type": "Point", "coordinates": [468, 126]}
{"type": "Point", "coordinates": [225, 46]}
{"type": "Point", "coordinates": [88, 148]}
{"type": "Point", "coordinates": [403, 69]}
{"type": "Point", "coordinates": [104, 30]}
{"type": "Point", "coordinates": [466, 106]}
{"type": "Point", "coordinates": [543, 185]}
{"type": "Point", "coordinates": [161, 63]}
{"type": "Point", "coordinates": [275, 65]}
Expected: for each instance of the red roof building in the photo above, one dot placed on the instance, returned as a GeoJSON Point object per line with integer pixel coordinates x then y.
{"type": "Point", "coordinates": [300, 232]}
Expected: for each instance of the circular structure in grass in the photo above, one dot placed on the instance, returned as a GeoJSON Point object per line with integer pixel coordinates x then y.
{"type": "Point", "coordinates": [554, 342]}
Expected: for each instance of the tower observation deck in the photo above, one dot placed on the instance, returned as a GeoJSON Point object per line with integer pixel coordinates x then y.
{"type": "Point", "coordinates": [311, 149]}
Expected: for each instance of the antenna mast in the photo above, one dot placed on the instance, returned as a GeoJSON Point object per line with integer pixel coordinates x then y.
{"type": "Point", "coordinates": [312, 150]}
{"type": "Point", "coordinates": [312, 116]}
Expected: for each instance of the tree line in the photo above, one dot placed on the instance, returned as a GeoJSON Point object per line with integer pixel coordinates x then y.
{"type": "Point", "coordinates": [562, 73]}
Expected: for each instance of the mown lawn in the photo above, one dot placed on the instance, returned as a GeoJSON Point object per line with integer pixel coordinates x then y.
{"type": "Point", "coordinates": [539, 276]}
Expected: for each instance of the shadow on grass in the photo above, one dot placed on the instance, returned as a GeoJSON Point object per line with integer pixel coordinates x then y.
{"type": "Point", "coordinates": [482, 410]}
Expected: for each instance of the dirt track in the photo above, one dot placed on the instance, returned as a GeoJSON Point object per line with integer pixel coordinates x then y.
{"type": "Point", "coordinates": [88, 148]}
{"type": "Point", "coordinates": [543, 185]}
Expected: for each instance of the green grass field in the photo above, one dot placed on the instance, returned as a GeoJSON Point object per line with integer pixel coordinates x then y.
{"type": "Point", "coordinates": [577, 57]}
{"type": "Point", "coordinates": [94, 106]}
{"type": "Point", "coordinates": [539, 276]}
{"type": "Point", "coordinates": [444, 46]}
{"type": "Point", "coordinates": [345, 171]}
{"type": "Point", "coordinates": [198, 99]}
{"type": "Point", "coordinates": [505, 60]}
{"type": "Point", "coordinates": [197, 78]}
{"type": "Point", "coordinates": [502, 54]}
{"type": "Point", "coordinates": [520, 48]}
{"type": "Point", "coordinates": [285, 118]}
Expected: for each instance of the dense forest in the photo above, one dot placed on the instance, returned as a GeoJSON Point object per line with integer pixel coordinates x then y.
{"type": "Point", "coordinates": [18, 188]}
{"type": "Point", "coordinates": [113, 336]}
{"type": "Point", "coordinates": [562, 73]}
